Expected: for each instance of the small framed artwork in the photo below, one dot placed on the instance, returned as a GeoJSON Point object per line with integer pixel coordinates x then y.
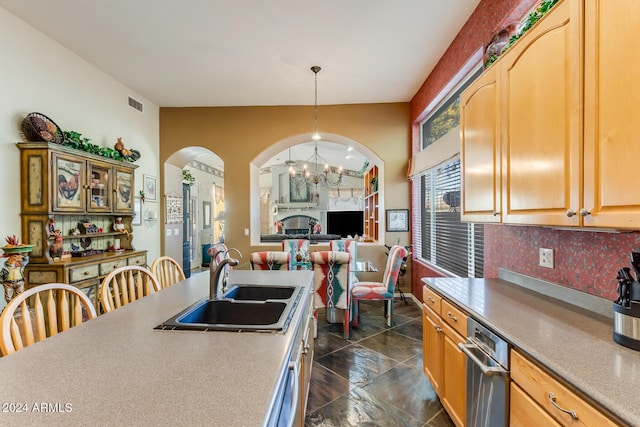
{"type": "Point", "coordinates": [150, 186]}
{"type": "Point", "coordinates": [137, 211]}
{"type": "Point", "coordinates": [206, 215]}
{"type": "Point", "coordinates": [68, 172]}
{"type": "Point", "coordinates": [298, 191]}
{"type": "Point", "coordinates": [397, 219]}
{"type": "Point", "coordinates": [173, 210]}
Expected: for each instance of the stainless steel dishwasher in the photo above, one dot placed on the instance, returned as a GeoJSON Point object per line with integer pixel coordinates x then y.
{"type": "Point", "coordinates": [487, 377]}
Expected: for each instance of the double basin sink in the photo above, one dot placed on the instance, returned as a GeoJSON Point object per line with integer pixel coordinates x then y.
{"type": "Point", "coordinates": [252, 308]}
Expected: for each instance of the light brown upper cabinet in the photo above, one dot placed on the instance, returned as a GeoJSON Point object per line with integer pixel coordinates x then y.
{"type": "Point", "coordinates": [480, 151]}
{"type": "Point", "coordinates": [567, 119]}
{"type": "Point", "coordinates": [541, 102]}
{"type": "Point", "coordinates": [612, 114]}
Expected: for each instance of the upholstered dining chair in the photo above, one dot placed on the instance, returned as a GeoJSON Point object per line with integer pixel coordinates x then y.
{"type": "Point", "coordinates": [270, 260]}
{"type": "Point", "coordinates": [56, 308]}
{"type": "Point", "coordinates": [331, 284]}
{"type": "Point", "coordinates": [351, 246]}
{"type": "Point", "coordinates": [384, 290]}
{"type": "Point", "coordinates": [167, 271]}
{"type": "Point", "coordinates": [125, 285]}
{"type": "Point", "coordinates": [299, 250]}
{"type": "Point", "coordinates": [218, 252]}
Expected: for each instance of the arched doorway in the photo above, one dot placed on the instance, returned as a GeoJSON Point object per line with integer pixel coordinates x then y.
{"type": "Point", "coordinates": [194, 181]}
{"type": "Point", "coordinates": [266, 202]}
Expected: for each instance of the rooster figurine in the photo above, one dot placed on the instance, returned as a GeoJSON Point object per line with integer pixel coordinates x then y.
{"type": "Point", "coordinates": [128, 155]}
{"type": "Point", "coordinates": [56, 248]}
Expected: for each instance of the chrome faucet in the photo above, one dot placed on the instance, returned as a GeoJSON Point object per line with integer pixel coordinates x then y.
{"type": "Point", "coordinates": [218, 287]}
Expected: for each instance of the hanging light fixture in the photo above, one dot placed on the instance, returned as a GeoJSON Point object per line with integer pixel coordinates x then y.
{"type": "Point", "coordinates": [316, 169]}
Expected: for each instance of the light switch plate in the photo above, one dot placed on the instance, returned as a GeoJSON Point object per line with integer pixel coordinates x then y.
{"type": "Point", "coordinates": [168, 232]}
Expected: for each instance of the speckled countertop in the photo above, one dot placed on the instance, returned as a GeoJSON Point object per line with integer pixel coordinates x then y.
{"type": "Point", "coordinates": [574, 344]}
{"type": "Point", "coordinates": [118, 370]}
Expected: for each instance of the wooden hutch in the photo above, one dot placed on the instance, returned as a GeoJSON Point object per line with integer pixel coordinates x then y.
{"type": "Point", "coordinates": [80, 197]}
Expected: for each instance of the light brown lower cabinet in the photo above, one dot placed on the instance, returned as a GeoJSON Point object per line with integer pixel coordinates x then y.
{"type": "Point", "coordinates": [443, 362]}
{"type": "Point", "coordinates": [539, 399]}
{"type": "Point", "coordinates": [306, 363]}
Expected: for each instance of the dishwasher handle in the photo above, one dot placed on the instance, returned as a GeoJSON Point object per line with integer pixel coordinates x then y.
{"type": "Point", "coordinates": [489, 371]}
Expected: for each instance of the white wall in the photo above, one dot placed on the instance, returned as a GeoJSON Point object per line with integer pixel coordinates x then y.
{"type": "Point", "coordinates": [38, 74]}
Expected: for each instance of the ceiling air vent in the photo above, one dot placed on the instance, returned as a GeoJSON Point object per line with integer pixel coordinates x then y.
{"type": "Point", "coordinates": [135, 104]}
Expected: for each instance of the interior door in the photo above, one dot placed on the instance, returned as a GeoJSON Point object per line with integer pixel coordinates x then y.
{"type": "Point", "coordinates": [186, 229]}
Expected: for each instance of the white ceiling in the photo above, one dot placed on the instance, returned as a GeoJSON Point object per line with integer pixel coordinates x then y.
{"type": "Point", "coordinates": [252, 52]}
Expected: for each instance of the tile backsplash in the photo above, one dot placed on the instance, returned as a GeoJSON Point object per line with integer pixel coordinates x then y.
{"type": "Point", "coordinates": [584, 260]}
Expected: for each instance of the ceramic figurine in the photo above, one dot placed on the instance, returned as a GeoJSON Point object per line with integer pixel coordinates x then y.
{"type": "Point", "coordinates": [129, 155]}
{"type": "Point", "coordinates": [56, 248]}
{"type": "Point", "coordinates": [118, 224]}
{"type": "Point", "coordinates": [12, 274]}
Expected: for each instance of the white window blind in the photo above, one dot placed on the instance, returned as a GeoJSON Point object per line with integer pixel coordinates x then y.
{"type": "Point", "coordinates": [446, 242]}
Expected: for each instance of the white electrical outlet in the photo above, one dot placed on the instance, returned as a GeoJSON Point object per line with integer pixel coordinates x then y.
{"type": "Point", "coordinates": [546, 258]}
{"type": "Point", "coordinates": [246, 231]}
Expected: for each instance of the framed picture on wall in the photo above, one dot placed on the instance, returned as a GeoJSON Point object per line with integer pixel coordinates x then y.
{"type": "Point", "coordinates": [397, 219]}
{"type": "Point", "coordinates": [206, 215]}
{"type": "Point", "coordinates": [298, 190]}
{"type": "Point", "coordinates": [137, 211]}
{"type": "Point", "coordinates": [150, 188]}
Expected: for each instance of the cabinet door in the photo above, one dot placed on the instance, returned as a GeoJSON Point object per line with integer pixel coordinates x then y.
{"type": "Point", "coordinates": [541, 77]}
{"type": "Point", "coordinates": [480, 150]}
{"type": "Point", "coordinates": [68, 179]}
{"type": "Point", "coordinates": [612, 117]}
{"type": "Point", "coordinates": [454, 377]}
{"type": "Point", "coordinates": [99, 187]}
{"type": "Point", "coordinates": [524, 412]}
{"type": "Point", "coordinates": [123, 189]}
{"type": "Point", "coordinates": [432, 347]}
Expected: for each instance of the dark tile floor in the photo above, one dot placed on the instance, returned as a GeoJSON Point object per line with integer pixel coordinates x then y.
{"type": "Point", "coordinates": [376, 377]}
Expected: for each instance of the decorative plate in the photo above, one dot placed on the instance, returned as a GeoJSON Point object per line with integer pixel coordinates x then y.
{"type": "Point", "coordinates": [20, 249]}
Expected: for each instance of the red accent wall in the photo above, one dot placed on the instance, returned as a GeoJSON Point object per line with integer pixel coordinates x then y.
{"type": "Point", "coordinates": [586, 261]}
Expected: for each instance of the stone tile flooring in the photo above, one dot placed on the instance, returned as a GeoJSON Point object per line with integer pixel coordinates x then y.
{"type": "Point", "coordinates": [376, 377]}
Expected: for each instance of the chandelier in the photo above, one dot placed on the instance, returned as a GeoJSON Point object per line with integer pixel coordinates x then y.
{"type": "Point", "coordinates": [316, 169]}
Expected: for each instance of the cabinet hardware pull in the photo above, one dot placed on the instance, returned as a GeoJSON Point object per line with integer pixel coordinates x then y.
{"type": "Point", "coordinates": [437, 328]}
{"type": "Point", "coordinates": [571, 412]}
{"type": "Point", "coordinates": [86, 273]}
{"type": "Point", "coordinates": [451, 316]}
{"type": "Point", "coordinates": [584, 212]}
{"type": "Point", "coordinates": [430, 299]}
{"type": "Point", "coordinates": [570, 213]}
{"type": "Point", "coordinates": [496, 213]}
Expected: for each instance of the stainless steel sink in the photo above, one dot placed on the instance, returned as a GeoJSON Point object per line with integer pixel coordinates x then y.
{"type": "Point", "coordinates": [260, 293]}
{"type": "Point", "coordinates": [243, 308]}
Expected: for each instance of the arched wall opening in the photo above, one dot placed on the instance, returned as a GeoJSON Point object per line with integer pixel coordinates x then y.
{"type": "Point", "coordinates": [256, 211]}
{"type": "Point", "coordinates": [193, 183]}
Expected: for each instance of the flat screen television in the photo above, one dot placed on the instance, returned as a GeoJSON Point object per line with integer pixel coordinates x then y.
{"type": "Point", "coordinates": [345, 223]}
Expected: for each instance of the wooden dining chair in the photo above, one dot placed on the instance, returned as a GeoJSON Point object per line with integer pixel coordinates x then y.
{"type": "Point", "coordinates": [270, 260]}
{"type": "Point", "coordinates": [384, 290]}
{"type": "Point", "coordinates": [167, 271]}
{"type": "Point", "coordinates": [125, 285]}
{"type": "Point", "coordinates": [56, 308]}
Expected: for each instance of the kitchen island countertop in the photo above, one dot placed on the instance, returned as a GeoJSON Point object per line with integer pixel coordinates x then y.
{"type": "Point", "coordinates": [118, 370]}
{"type": "Point", "coordinates": [574, 344]}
